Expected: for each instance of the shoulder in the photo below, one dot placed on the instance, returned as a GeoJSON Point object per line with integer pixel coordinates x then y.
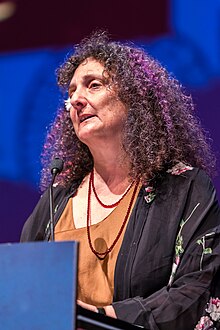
{"type": "Point", "coordinates": [185, 187]}
{"type": "Point", "coordinates": [199, 196]}
{"type": "Point", "coordinates": [185, 175]}
{"type": "Point", "coordinates": [180, 183]}
{"type": "Point", "coordinates": [35, 225]}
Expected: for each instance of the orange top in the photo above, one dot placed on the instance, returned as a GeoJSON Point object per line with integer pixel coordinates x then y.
{"type": "Point", "coordinates": [95, 277]}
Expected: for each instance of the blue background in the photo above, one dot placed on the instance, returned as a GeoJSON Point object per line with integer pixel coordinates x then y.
{"type": "Point", "coordinates": [182, 34]}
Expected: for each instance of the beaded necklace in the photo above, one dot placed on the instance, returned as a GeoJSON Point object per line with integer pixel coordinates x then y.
{"type": "Point", "coordinates": [102, 255]}
{"type": "Point", "coordinates": [97, 197]}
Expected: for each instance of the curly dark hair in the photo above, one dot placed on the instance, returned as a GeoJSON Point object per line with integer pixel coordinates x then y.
{"type": "Point", "coordinates": [161, 128]}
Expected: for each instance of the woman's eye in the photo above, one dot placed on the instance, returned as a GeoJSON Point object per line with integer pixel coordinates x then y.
{"type": "Point", "coordinates": [67, 103]}
{"type": "Point", "coordinates": [95, 85]}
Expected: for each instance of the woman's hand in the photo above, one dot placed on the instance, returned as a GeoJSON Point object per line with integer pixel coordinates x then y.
{"type": "Point", "coordinates": [87, 306]}
{"type": "Point", "coordinates": [109, 310]}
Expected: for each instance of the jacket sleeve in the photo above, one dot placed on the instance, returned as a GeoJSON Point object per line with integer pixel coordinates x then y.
{"type": "Point", "coordinates": [34, 227]}
{"type": "Point", "coordinates": [181, 303]}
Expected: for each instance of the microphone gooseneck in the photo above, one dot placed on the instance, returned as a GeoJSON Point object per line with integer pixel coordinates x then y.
{"type": "Point", "coordinates": [56, 168]}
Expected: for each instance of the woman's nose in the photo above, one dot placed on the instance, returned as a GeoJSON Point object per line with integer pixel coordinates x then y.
{"type": "Point", "coordinates": [78, 100]}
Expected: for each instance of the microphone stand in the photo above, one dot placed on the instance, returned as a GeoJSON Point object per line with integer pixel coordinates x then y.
{"type": "Point", "coordinates": [56, 168]}
{"type": "Point", "coordinates": [52, 207]}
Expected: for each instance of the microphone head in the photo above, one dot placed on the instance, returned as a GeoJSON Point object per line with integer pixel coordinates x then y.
{"type": "Point", "coordinates": [56, 166]}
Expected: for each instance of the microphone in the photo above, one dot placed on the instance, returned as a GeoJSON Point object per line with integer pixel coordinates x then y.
{"type": "Point", "coordinates": [56, 168]}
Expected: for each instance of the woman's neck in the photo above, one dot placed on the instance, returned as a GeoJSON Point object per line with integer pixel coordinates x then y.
{"type": "Point", "coordinates": [110, 160]}
{"type": "Point", "coordinates": [116, 178]}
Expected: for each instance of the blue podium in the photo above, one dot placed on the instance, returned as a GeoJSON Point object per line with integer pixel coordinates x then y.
{"type": "Point", "coordinates": [38, 286]}
{"type": "Point", "coordinates": [38, 290]}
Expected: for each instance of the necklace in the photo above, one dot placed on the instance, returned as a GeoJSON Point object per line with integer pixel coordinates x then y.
{"type": "Point", "coordinates": [102, 255]}
{"type": "Point", "coordinates": [97, 197]}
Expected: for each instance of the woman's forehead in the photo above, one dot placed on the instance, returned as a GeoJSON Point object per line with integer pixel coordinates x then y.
{"type": "Point", "coordinates": [89, 68]}
{"type": "Point", "coordinates": [89, 64]}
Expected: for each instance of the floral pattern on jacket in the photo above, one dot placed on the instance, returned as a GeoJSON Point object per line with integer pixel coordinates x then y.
{"type": "Point", "coordinates": [211, 321]}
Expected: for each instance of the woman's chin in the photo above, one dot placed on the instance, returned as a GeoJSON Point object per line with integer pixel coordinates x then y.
{"type": "Point", "coordinates": [87, 136]}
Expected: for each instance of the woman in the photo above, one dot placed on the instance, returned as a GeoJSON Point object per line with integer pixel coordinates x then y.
{"type": "Point", "coordinates": [133, 191]}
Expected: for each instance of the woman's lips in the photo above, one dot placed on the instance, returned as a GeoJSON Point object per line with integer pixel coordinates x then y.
{"type": "Point", "coordinates": [85, 117]}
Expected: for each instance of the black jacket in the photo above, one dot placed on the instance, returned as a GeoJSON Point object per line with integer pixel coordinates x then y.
{"type": "Point", "coordinates": [168, 265]}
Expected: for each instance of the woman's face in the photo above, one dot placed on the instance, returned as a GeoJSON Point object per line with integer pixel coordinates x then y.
{"type": "Point", "coordinates": [96, 111]}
